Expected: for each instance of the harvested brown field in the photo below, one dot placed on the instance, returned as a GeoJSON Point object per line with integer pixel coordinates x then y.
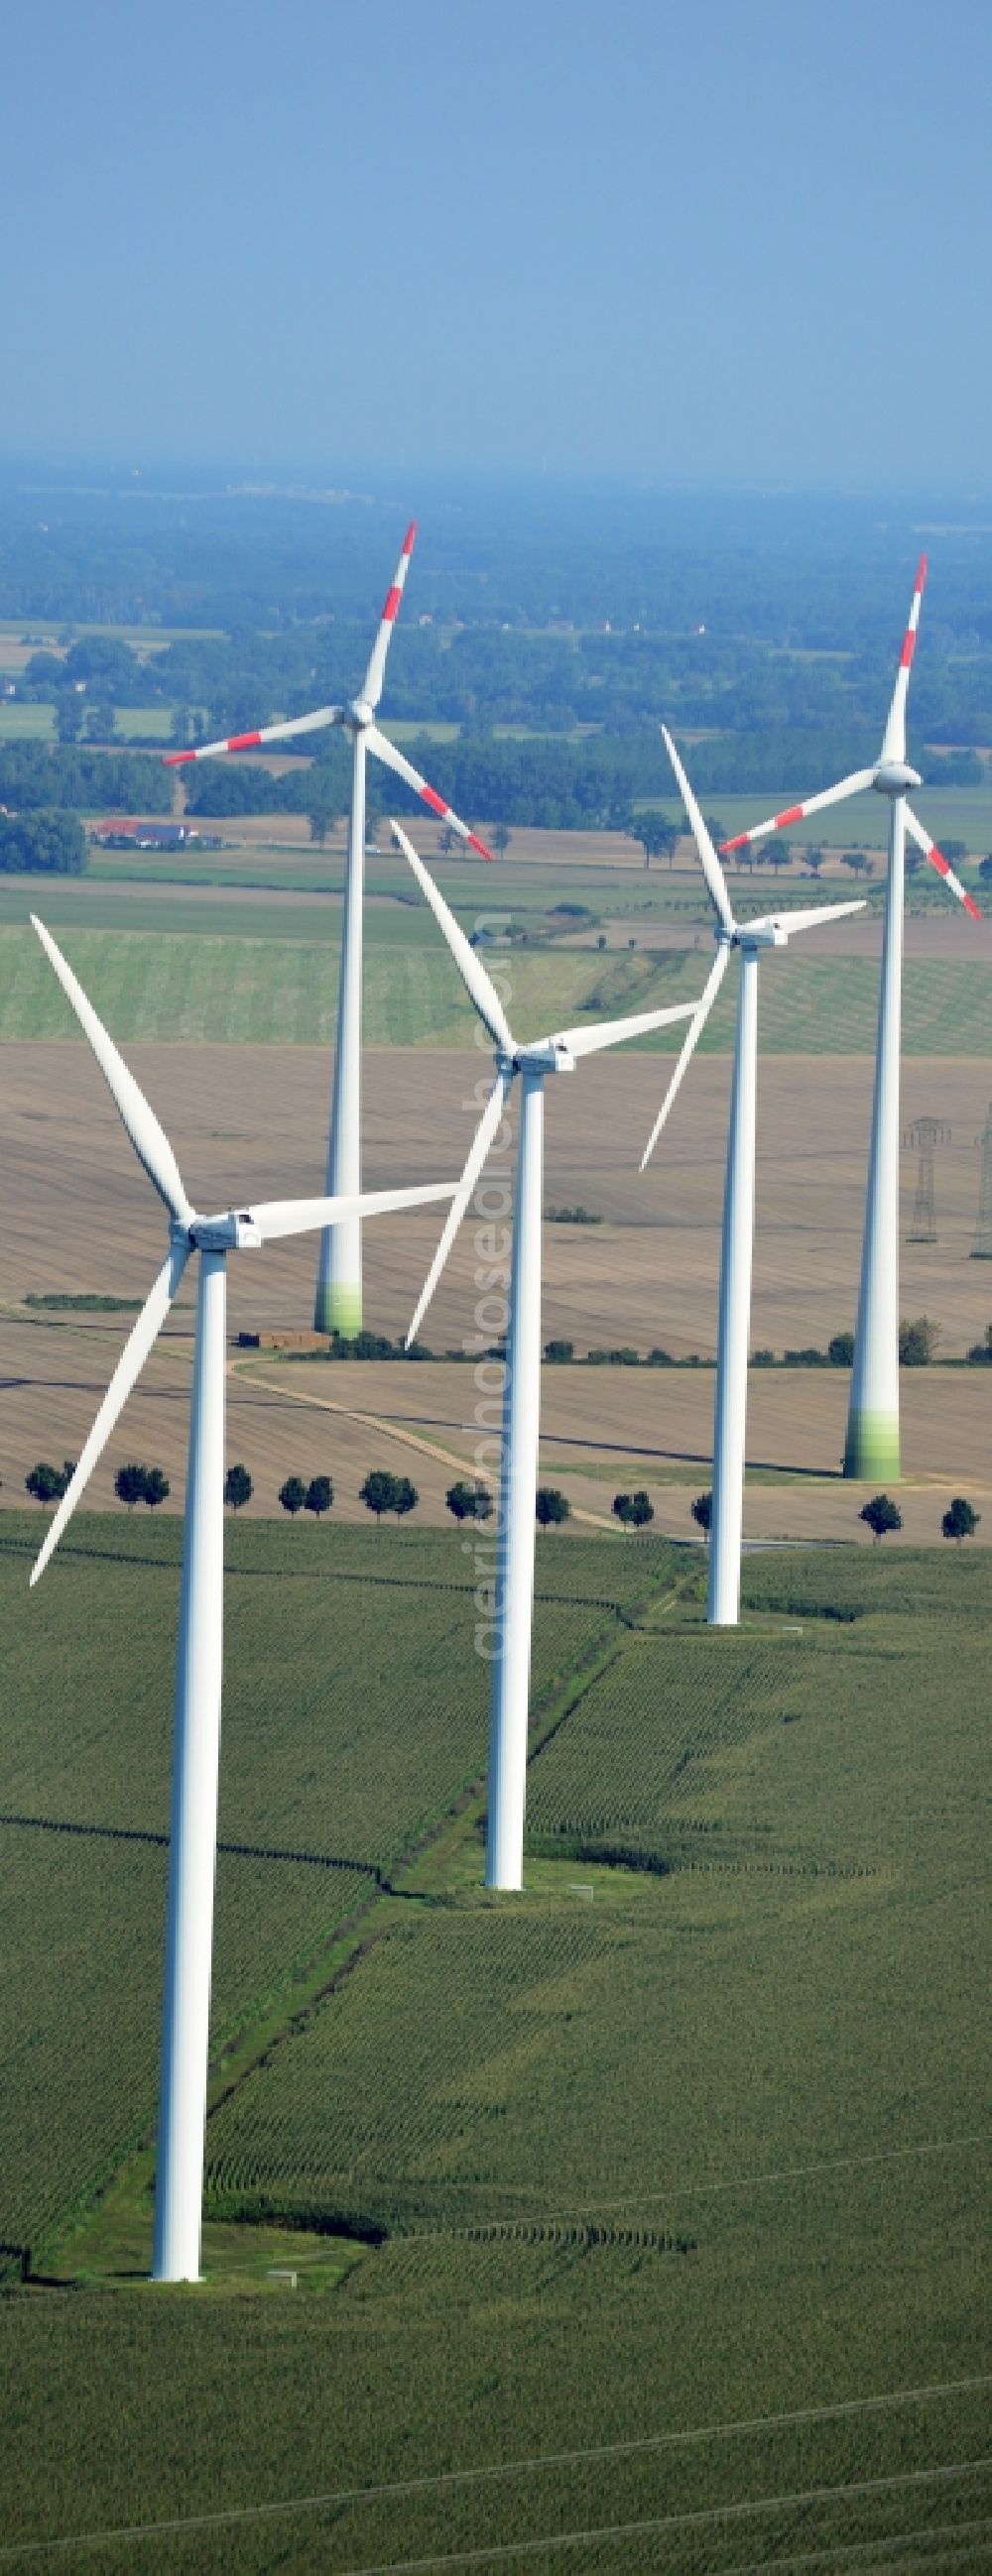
{"type": "Point", "coordinates": [529, 846]}
{"type": "Point", "coordinates": [251, 1121]}
{"type": "Point", "coordinates": [655, 1429]}
{"type": "Point", "coordinates": [53, 1376]}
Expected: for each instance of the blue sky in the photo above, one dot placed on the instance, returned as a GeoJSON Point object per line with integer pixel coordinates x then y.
{"type": "Point", "coordinates": [731, 241]}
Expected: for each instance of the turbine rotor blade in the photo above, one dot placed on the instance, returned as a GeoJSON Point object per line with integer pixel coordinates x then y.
{"type": "Point", "coordinates": [938, 861]}
{"type": "Point", "coordinates": [149, 1139]}
{"type": "Point", "coordinates": [805, 918]}
{"type": "Point", "coordinates": [708, 860]}
{"type": "Point", "coordinates": [250, 741]}
{"type": "Point", "coordinates": [894, 738]}
{"type": "Point", "coordinates": [713, 983]}
{"type": "Point", "coordinates": [478, 985]}
{"type": "Point", "coordinates": [372, 688]}
{"type": "Point", "coordinates": [481, 1143]}
{"type": "Point", "coordinates": [129, 1366]}
{"type": "Point", "coordinates": [610, 1033]}
{"type": "Point", "coordinates": [275, 1217]}
{"type": "Point", "coordinates": [386, 751]}
{"type": "Point", "coordinates": [851, 786]}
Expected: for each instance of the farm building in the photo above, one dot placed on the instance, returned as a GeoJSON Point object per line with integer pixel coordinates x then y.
{"type": "Point", "coordinates": [152, 835]}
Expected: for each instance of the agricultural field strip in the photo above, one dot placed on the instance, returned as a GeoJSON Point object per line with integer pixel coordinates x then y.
{"type": "Point", "coordinates": [653, 2525]}
{"type": "Point", "coordinates": [160, 1842]}
{"type": "Point", "coordinates": [292, 2157]}
{"type": "Point", "coordinates": [264, 1941]}
{"type": "Point", "coordinates": [390, 1429]}
{"type": "Point", "coordinates": [643, 2527]}
{"type": "Point", "coordinates": [743, 2182]}
{"type": "Point", "coordinates": [282, 991]}
{"type": "Point", "coordinates": [491, 2472]}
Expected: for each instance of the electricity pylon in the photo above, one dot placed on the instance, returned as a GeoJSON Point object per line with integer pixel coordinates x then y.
{"type": "Point", "coordinates": [925, 1134]}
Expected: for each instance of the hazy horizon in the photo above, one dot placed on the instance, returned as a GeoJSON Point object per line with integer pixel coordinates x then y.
{"type": "Point", "coordinates": [664, 247]}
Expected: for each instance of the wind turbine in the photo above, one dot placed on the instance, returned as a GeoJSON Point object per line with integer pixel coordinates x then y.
{"type": "Point", "coordinates": [521, 1392]}
{"type": "Point", "coordinates": [338, 1302]}
{"type": "Point", "coordinates": [196, 1747]}
{"type": "Point", "coordinates": [872, 1445]}
{"type": "Point", "coordinates": [750, 938]}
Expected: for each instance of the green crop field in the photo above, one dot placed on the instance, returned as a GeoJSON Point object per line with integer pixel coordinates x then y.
{"type": "Point", "coordinates": [283, 991]}
{"type": "Point", "coordinates": [675, 2160]}
{"type": "Point", "coordinates": [150, 721]}
{"type": "Point", "coordinates": [21, 722]}
{"type": "Point", "coordinates": [307, 1819]}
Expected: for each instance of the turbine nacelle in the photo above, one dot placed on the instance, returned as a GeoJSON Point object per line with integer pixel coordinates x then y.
{"type": "Point", "coordinates": [765, 934]}
{"type": "Point", "coordinates": [236, 1231]}
{"type": "Point", "coordinates": [895, 778]}
{"type": "Point", "coordinates": [545, 1055]}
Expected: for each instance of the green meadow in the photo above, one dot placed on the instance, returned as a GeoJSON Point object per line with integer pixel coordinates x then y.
{"type": "Point", "coordinates": [635, 2219]}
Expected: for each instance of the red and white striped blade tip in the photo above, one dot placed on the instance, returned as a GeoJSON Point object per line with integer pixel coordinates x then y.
{"type": "Point", "coordinates": [234, 742]}
{"type": "Point", "coordinates": [945, 870]}
{"type": "Point", "coordinates": [394, 594]}
{"type": "Point", "coordinates": [792, 814]}
{"type": "Point", "coordinates": [447, 815]}
{"type": "Point", "coordinates": [909, 639]}
{"type": "Point", "coordinates": [852, 785]}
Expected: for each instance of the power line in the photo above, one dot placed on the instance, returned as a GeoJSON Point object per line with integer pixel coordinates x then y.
{"type": "Point", "coordinates": [676, 2191]}
{"type": "Point", "coordinates": [402, 2489]}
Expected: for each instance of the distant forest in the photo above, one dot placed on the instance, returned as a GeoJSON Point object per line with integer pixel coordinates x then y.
{"type": "Point", "coordinates": [769, 628]}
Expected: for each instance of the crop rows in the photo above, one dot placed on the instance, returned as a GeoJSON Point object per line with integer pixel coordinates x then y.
{"type": "Point", "coordinates": [353, 1710]}
{"type": "Point", "coordinates": [283, 992]}
{"type": "Point", "coordinates": [849, 1583]}
{"type": "Point", "coordinates": [501, 2063]}
{"type": "Point", "coordinates": [81, 1922]}
{"type": "Point", "coordinates": [644, 1752]}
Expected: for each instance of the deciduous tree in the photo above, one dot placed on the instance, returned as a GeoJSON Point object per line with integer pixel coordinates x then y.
{"type": "Point", "coordinates": [469, 1502]}
{"type": "Point", "coordinates": [634, 1511]}
{"type": "Point", "coordinates": [881, 1514]}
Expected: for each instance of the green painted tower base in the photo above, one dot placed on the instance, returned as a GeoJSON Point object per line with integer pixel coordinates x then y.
{"type": "Point", "coordinates": [338, 1309]}
{"type": "Point", "coordinates": [871, 1450]}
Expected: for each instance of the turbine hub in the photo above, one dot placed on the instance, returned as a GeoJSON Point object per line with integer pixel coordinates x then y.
{"type": "Point", "coordinates": [361, 713]}
{"type": "Point", "coordinates": [895, 778]}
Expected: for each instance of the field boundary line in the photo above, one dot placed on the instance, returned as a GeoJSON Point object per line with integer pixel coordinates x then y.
{"type": "Point", "coordinates": [490, 2471]}
{"type": "Point", "coordinates": [389, 1430]}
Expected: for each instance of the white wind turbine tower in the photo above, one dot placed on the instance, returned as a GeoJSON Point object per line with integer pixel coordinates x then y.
{"type": "Point", "coordinates": [338, 1301]}
{"type": "Point", "coordinates": [196, 1748]}
{"type": "Point", "coordinates": [771, 930]}
{"type": "Point", "coordinates": [872, 1445]}
{"type": "Point", "coordinates": [521, 1395]}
